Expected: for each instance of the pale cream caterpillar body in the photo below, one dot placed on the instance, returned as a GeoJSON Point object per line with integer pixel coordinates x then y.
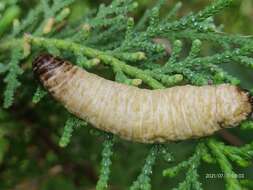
{"type": "Point", "coordinates": [143, 115]}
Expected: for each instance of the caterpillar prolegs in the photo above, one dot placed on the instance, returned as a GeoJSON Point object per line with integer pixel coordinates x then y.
{"type": "Point", "coordinates": [142, 115]}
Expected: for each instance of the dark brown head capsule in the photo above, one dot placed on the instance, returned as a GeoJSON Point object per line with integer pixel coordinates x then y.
{"type": "Point", "coordinates": [44, 65]}
{"type": "Point", "coordinates": [52, 71]}
{"type": "Point", "coordinates": [250, 99]}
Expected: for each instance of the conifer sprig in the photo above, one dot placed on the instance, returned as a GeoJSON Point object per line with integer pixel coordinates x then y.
{"type": "Point", "coordinates": [144, 179]}
{"type": "Point", "coordinates": [149, 51]}
{"type": "Point", "coordinates": [106, 162]}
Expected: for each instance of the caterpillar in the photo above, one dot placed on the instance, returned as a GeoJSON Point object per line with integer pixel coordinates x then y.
{"type": "Point", "coordinates": [142, 115]}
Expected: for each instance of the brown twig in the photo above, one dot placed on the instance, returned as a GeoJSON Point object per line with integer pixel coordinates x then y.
{"type": "Point", "coordinates": [230, 138]}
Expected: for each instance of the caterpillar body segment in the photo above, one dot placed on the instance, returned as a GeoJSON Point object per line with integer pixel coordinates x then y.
{"type": "Point", "coordinates": [142, 115]}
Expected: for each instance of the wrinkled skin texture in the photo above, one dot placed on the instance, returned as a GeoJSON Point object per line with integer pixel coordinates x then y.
{"type": "Point", "coordinates": [142, 115]}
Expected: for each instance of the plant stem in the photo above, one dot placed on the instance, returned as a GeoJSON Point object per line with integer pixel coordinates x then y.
{"type": "Point", "coordinates": [231, 182]}
{"type": "Point", "coordinates": [93, 53]}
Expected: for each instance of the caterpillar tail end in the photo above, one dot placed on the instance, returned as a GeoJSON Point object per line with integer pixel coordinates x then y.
{"type": "Point", "coordinates": [250, 101]}
{"type": "Point", "coordinates": [250, 97]}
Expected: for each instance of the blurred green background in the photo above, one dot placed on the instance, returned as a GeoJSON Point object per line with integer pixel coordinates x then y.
{"type": "Point", "coordinates": [31, 158]}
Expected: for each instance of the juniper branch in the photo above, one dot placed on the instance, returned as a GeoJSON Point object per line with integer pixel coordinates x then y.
{"type": "Point", "coordinates": [39, 94]}
{"type": "Point", "coordinates": [231, 182]}
{"type": "Point", "coordinates": [106, 162]}
{"type": "Point", "coordinates": [191, 180]}
{"type": "Point", "coordinates": [71, 123]}
{"type": "Point", "coordinates": [143, 180]}
{"type": "Point", "coordinates": [93, 53]}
